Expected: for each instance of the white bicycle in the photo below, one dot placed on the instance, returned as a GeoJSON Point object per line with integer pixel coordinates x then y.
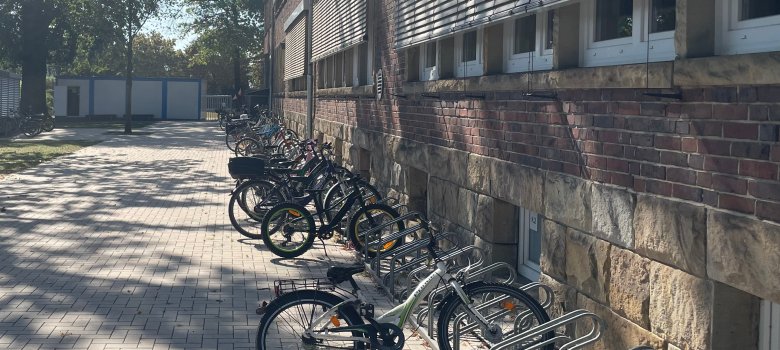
{"type": "Point", "coordinates": [307, 314]}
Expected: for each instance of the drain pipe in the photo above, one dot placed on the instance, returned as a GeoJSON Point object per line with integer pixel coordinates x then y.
{"type": "Point", "coordinates": [309, 70]}
{"type": "Point", "coordinates": [271, 65]}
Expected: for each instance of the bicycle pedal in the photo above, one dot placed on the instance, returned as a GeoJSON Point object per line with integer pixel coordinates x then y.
{"type": "Point", "coordinates": [367, 310]}
{"type": "Point", "coordinates": [261, 308]}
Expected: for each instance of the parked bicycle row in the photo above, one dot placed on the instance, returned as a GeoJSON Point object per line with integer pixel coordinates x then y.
{"type": "Point", "coordinates": [290, 193]}
{"type": "Point", "coordinates": [14, 122]}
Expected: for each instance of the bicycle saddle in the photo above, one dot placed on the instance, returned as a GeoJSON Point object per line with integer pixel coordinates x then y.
{"type": "Point", "coordinates": [338, 274]}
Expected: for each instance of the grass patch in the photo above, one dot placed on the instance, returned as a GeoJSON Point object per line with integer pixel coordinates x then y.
{"type": "Point", "coordinates": [102, 124]}
{"type": "Point", "coordinates": [16, 156]}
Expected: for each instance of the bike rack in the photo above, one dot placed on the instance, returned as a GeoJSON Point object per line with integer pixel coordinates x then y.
{"type": "Point", "coordinates": [411, 258]}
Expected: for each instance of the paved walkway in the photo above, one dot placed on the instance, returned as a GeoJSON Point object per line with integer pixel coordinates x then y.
{"type": "Point", "coordinates": [127, 245]}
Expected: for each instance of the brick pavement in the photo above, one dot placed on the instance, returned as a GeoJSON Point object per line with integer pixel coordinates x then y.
{"type": "Point", "coordinates": [127, 245]}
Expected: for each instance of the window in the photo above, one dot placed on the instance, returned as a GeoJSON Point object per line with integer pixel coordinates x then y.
{"type": "Point", "coordinates": [345, 69]}
{"type": "Point", "coordinates": [530, 245]}
{"type": "Point", "coordinates": [469, 51]}
{"type": "Point", "coordinates": [769, 326]}
{"type": "Point", "coordinates": [430, 55]}
{"type": "Point", "coordinates": [469, 47]}
{"type": "Point", "coordinates": [751, 9]}
{"type": "Point", "coordinates": [548, 34]}
{"type": "Point", "coordinates": [614, 19]}
{"type": "Point", "coordinates": [525, 35]}
{"type": "Point", "coordinates": [627, 31]}
{"type": "Point", "coordinates": [528, 42]}
{"type": "Point", "coordinates": [747, 26]}
{"type": "Point", "coordinates": [429, 61]}
{"type": "Point", "coordinates": [663, 16]}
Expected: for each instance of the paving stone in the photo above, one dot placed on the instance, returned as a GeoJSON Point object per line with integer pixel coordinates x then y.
{"type": "Point", "coordinates": [127, 245]}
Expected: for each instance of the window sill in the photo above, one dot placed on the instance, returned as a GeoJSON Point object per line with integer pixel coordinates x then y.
{"type": "Point", "coordinates": [623, 76]}
{"type": "Point", "coordinates": [746, 69]}
{"type": "Point", "coordinates": [355, 91]}
{"type": "Point", "coordinates": [296, 94]}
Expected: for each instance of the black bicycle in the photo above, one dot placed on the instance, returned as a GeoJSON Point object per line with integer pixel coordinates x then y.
{"type": "Point", "coordinates": [288, 228]}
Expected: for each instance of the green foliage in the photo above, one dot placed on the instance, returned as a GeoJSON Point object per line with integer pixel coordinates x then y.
{"type": "Point", "coordinates": [230, 40]}
{"type": "Point", "coordinates": [153, 56]}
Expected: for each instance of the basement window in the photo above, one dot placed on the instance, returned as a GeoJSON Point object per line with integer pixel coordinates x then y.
{"type": "Point", "coordinates": [530, 244]}
{"type": "Point", "coordinates": [769, 326]}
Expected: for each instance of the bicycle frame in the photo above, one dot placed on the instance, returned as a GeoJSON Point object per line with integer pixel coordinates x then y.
{"type": "Point", "coordinates": [318, 329]}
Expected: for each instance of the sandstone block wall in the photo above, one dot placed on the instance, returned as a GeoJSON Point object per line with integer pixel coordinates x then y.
{"type": "Point", "coordinates": [660, 215]}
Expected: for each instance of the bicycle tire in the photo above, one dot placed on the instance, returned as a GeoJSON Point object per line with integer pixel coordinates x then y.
{"type": "Point", "coordinates": [295, 222]}
{"type": "Point", "coordinates": [378, 213]}
{"type": "Point", "coordinates": [270, 337]}
{"type": "Point", "coordinates": [247, 147]}
{"type": "Point", "coordinates": [518, 308]}
{"type": "Point", "coordinates": [335, 197]}
{"type": "Point", "coordinates": [245, 216]}
{"type": "Point", "coordinates": [47, 124]}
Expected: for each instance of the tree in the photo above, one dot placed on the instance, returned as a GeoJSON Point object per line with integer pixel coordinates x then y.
{"type": "Point", "coordinates": [153, 56]}
{"type": "Point", "coordinates": [128, 17]}
{"type": "Point", "coordinates": [208, 61]}
{"type": "Point", "coordinates": [232, 27]}
{"type": "Point", "coordinates": [34, 32]}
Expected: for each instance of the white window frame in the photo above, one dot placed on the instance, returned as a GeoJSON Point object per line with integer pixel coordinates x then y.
{"type": "Point", "coordinates": [539, 59]}
{"type": "Point", "coordinates": [429, 73]}
{"type": "Point", "coordinates": [525, 267]}
{"type": "Point", "coordinates": [748, 36]}
{"type": "Point", "coordinates": [769, 326]}
{"type": "Point", "coordinates": [632, 49]}
{"type": "Point", "coordinates": [472, 68]}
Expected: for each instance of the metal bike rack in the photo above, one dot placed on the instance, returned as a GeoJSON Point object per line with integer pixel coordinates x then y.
{"type": "Point", "coordinates": [411, 258]}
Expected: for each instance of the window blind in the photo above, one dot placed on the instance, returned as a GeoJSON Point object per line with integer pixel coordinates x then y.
{"type": "Point", "coordinates": [295, 51]}
{"type": "Point", "coordinates": [418, 21]}
{"type": "Point", "coordinates": [337, 25]}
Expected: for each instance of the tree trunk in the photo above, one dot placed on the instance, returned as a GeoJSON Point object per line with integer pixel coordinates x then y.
{"type": "Point", "coordinates": [129, 75]}
{"type": "Point", "coordinates": [35, 26]}
{"type": "Point", "coordinates": [237, 74]}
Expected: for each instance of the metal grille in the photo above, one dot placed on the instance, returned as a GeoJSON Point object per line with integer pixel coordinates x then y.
{"type": "Point", "coordinates": [10, 93]}
{"type": "Point", "coordinates": [295, 51]}
{"type": "Point", "coordinates": [419, 21]}
{"type": "Point", "coordinates": [338, 25]}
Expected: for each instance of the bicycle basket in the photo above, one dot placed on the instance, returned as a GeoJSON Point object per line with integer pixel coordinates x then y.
{"type": "Point", "coordinates": [245, 167]}
{"type": "Point", "coordinates": [287, 286]}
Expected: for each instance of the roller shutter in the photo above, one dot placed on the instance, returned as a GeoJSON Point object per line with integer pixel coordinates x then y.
{"type": "Point", "coordinates": [295, 51]}
{"type": "Point", "coordinates": [338, 25]}
{"type": "Point", "coordinates": [418, 21]}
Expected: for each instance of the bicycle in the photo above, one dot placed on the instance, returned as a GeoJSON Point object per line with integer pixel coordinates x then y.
{"type": "Point", "coordinates": [308, 313]}
{"type": "Point", "coordinates": [288, 228]}
{"type": "Point", "coordinates": [265, 186]}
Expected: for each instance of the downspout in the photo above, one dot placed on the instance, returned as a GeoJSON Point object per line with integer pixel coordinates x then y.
{"type": "Point", "coordinates": [271, 65]}
{"type": "Point", "coordinates": [309, 70]}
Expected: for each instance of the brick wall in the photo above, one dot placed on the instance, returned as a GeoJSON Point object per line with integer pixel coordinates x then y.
{"type": "Point", "coordinates": [681, 195]}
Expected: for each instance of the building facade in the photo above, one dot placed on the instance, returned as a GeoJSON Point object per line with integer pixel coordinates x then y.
{"type": "Point", "coordinates": [162, 98]}
{"type": "Point", "coordinates": [624, 152]}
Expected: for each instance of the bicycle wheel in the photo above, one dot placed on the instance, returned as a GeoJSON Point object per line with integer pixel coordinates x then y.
{"type": "Point", "coordinates": [247, 147]}
{"type": "Point", "coordinates": [232, 138]}
{"type": "Point", "coordinates": [287, 317]}
{"type": "Point", "coordinates": [508, 310]}
{"type": "Point", "coordinates": [369, 217]}
{"type": "Point", "coordinates": [337, 195]}
{"type": "Point", "coordinates": [288, 230]}
{"type": "Point", "coordinates": [249, 203]}
{"type": "Point", "coordinates": [47, 124]}
{"type": "Point", "coordinates": [31, 128]}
